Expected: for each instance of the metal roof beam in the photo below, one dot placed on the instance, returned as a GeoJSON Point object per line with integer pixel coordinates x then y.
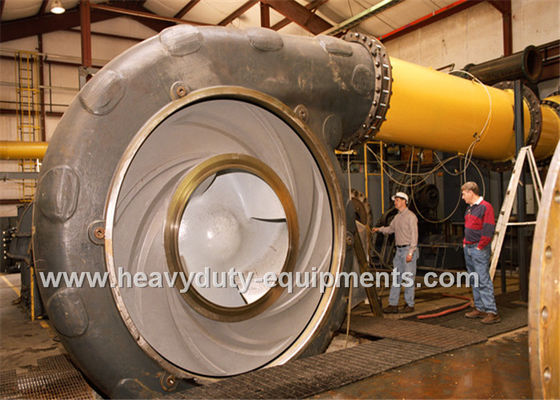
{"type": "Point", "coordinates": [142, 13]}
{"type": "Point", "coordinates": [361, 17]}
{"type": "Point", "coordinates": [237, 13]}
{"type": "Point", "coordinates": [265, 15]}
{"type": "Point", "coordinates": [314, 5]}
{"type": "Point", "coordinates": [504, 7]}
{"type": "Point", "coordinates": [40, 24]}
{"type": "Point", "coordinates": [17, 29]}
{"type": "Point", "coordinates": [300, 15]}
{"type": "Point", "coordinates": [85, 30]}
{"type": "Point", "coordinates": [186, 8]}
{"type": "Point", "coordinates": [501, 5]}
{"type": "Point", "coordinates": [43, 9]}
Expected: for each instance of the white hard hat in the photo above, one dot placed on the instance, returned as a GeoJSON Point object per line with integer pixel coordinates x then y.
{"type": "Point", "coordinates": [401, 195]}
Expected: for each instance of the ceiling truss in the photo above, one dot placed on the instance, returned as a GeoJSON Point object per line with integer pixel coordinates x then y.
{"type": "Point", "coordinates": [304, 16]}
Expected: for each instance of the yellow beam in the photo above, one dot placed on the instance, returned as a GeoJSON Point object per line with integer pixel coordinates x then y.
{"type": "Point", "coordinates": [12, 150]}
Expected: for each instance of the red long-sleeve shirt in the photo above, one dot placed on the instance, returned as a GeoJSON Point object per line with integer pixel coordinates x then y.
{"type": "Point", "coordinates": [479, 223]}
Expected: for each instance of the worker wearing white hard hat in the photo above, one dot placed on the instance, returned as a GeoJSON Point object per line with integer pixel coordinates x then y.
{"type": "Point", "coordinates": [405, 227]}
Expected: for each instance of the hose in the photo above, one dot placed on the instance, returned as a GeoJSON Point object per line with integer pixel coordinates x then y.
{"type": "Point", "coordinates": [449, 310]}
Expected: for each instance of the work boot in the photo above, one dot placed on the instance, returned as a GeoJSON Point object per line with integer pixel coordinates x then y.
{"type": "Point", "coordinates": [475, 314]}
{"type": "Point", "coordinates": [391, 310]}
{"type": "Point", "coordinates": [491, 318]}
{"type": "Point", "coordinates": [408, 309]}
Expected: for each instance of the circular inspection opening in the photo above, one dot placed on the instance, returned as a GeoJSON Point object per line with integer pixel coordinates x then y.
{"type": "Point", "coordinates": [199, 148]}
{"type": "Point", "coordinates": [232, 228]}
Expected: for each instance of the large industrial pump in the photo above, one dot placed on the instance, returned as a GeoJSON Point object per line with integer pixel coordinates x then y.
{"type": "Point", "coordinates": [212, 148]}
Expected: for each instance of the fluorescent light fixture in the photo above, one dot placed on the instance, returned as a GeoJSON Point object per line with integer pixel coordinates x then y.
{"type": "Point", "coordinates": [57, 7]}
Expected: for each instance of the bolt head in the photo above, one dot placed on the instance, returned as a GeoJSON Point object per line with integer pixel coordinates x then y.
{"type": "Point", "coordinates": [547, 374]}
{"type": "Point", "coordinates": [548, 252]}
{"type": "Point", "coordinates": [181, 91]}
{"type": "Point", "coordinates": [99, 233]}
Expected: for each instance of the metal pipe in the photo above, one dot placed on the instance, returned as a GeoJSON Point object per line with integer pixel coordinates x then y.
{"type": "Point", "coordinates": [18, 175]}
{"type": "Point", "coordinates": [433, 110]}
{"type": "Point", "coordinates": [526, 64]}
{"type": "Point", "coordinates": [12, 150]}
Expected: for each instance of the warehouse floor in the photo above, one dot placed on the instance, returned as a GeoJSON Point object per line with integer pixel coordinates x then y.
{"type": "Point", "coordinates": [497, 368]}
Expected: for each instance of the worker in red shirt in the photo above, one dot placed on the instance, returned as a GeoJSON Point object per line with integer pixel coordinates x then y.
{"type": "Point", "coordinates": [479, 228]}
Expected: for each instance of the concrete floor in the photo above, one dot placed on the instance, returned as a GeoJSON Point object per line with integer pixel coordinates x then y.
{"type": "Point", "coordinates": [498, 368]}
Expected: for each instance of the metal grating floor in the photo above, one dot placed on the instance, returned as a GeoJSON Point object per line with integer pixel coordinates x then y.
{"type": "Point", "coordinates": [438, 336]}
{"type": "Point", "coordinates": [54, 378]}
{"type": "Point", "coordinates": [513, 317]}
{"type": "Point", "coordinates": [404, 341]}
{"type": "Point", "coordinates": [312, 375]}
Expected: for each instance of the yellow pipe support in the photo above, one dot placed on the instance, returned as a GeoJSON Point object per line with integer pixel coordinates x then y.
{"type": "Point", "coordinates": [433, 110]}
{"type": "Point", "coordinates": [550, 132]}
{"type": "Point", "coordinates": [12, 150]}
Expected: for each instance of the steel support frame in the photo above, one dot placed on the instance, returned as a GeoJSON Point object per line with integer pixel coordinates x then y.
{"type": "Point", "coordinates": [521, 212]}
{"type": "Point", "coordinates": [265, 15]}
{"type": "Point", "coordinates": [504, 7]}
{"type": "Point", "coordinates": [85, 24]}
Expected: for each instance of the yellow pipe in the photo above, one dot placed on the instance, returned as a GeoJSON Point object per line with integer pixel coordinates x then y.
{"type": "Point", "coordinates": [12, 150]}
{"type": "Point", "coordinates": [430, 109]}
{"type": "Point", "coordinates": [550, 132]}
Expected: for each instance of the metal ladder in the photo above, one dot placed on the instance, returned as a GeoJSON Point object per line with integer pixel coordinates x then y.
{"type": "Point", "coordinates": [505, 212]}
{"type": "Point", "coordinates": [27, 109]}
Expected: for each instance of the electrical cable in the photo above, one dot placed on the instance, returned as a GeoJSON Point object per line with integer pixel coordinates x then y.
{"type": "Point", "coordinates": [434, 169]}
{"type": "Point", "coordinates": [470, 150]}
{"type": "Point", "coordinates": [426, 175]}
{"type": "Point", "coordinates": [456, 205]}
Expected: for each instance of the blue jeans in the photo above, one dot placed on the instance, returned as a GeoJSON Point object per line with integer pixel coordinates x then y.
{"type": "Point", "coordinates": [477, 262]}
{"type": "Point", "coordinates": [400, 265]}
